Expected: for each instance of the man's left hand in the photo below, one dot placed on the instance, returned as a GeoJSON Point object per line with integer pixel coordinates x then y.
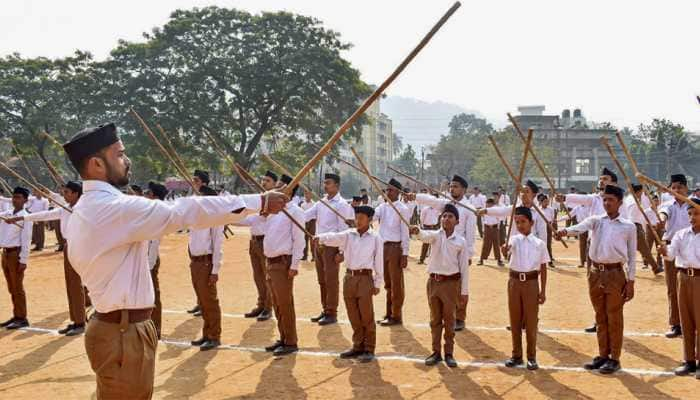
{"type": "Point", "coordinates": [404, 261]}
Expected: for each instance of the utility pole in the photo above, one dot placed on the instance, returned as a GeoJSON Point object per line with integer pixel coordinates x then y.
{"type": "Point", "coordinates": [422, 163]}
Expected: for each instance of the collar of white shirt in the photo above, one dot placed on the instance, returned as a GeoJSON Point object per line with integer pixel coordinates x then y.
{"type": "Point", "coordinates": [99, 186]}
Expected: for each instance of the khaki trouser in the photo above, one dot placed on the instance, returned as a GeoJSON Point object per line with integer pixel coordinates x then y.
{"type": "Point", "coordinates": [15, 281]}
{"type": "Point", "coordinates": [502, 232]}
{"type": "Point", "coordinates": [689, 307]}
{"type": "Point", "coordinates": [257, 261]}
{"type": "Point", "coordinates": [583, 248]}
{"type": "Point", "coordinates": [393, 279]}
{"type": "Point", "coordinates": [157, 314]}
{"type": "Point", "coordinates": [491, 241]}
{"type": "Point", "coordinates": [550, 234]}
{"type": "Point", "coordinates": [74, 291]}
{"type": "Point", "coordinates": [283, 298]}
{"type": "Point", "coordinates": [479, 226]}
{"type": "Point", "coordinates": [643, 246]}
{"type": "Point", "coordinates": [443, 297]}
{"type": "Point", "coordinates": [357, 293]}
{"type": "Point", "coordinates": [59, 235]}
{"type": "Point", "coordinates": [671, 275]}
{"type": "Point", "coordinates": [123, 357]}
{"type": "Point", "coordinates": [327, 271]}
{"type": "Point", "coordinates": [200, 269]}
{"type": "Point", "coordinates": [523, 307]}
{"type": "Point", "coordinates": [606, 291]}
{"type": "Point", "coordinates": [652, 241]}
{"type": "Point", "coordinates": [308, 240]}
{"type": "Point", "coordinates": [38, 234]}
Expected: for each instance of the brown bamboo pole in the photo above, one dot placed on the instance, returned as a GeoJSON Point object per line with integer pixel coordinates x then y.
{"type": "Point", "coordinates": [351, 165]}
{"type": "Point", "coordinates": [617, 162]}
{"type": "Point", "coordinates": [21, 159]}
{"type": "Point", "coordinates": [667, 190]}
{"type": "Point", "coordinates": [52, 170]}
{"type": "Point", "coordinates": [635, 169]}
{"type": "Point", "coordinates": [33, 186]}
{"type": "Point", "coordinates": [284, 170]}
{"type": "Point", "coordinates": [425, 185]}
{"type": "Point", "coordinates": [5, 185]}
{"type": "Point", "coordinates": [377, 188]}
{"type": "Point", "coordinates": [539, 164]}
{"type": "Point", "coordinates": [174, 152]}
{"type": "Point", "coordinates": [518, 183]}
{"type": "Point", "coordinates": [373, 97]}
{"type": "Point", "coordinates": [52, 139]}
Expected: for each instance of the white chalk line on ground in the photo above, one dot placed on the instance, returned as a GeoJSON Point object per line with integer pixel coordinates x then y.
{"type": "Point", "coordinates": [474, 328]}
{"type": "Point", "coordinates": [390, 357]}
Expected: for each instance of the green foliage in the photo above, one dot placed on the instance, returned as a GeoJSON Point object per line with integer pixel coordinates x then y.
{"type": "Point", "coordinates": [407, 161]}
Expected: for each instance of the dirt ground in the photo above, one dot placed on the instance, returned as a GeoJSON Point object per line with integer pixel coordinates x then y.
{"type": "Point", "coordinates": [38, 364]}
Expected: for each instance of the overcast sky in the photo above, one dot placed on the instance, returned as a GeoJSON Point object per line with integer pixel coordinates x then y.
{"type": "Point", "coordinates": [622, 61]}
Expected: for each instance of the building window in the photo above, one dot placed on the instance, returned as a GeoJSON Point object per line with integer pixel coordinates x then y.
{"type": "Point", "coordinates": [583, 166]}
{"type": "Point", "coordinates": [382, 126]}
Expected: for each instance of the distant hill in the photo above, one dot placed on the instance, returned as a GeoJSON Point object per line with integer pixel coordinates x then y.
{"type": "Point", "coordinates": [419, 122]}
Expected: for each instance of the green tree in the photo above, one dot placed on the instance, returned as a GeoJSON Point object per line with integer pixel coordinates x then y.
{"type": "Point", "coordinates": [457, 151]}
{"type": "Point", "coordinates": [668, 149]}
{"type": "Point", "coordinates": [407, 161]}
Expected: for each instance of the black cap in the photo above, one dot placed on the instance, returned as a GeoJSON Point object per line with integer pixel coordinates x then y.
{"type": "Point", "coordinates": [286, 179]}
{"type": "Point", "coordinates": [356, 198]}
{"type": "Point", "coordinates": [271, 175]}
{"type": "Point", "coordinates": [203, 175]}
{"type": "Point", "coordinates": [89, 141]}
{"type": "Point", "coordinates": [533, 186]}
{"type": "Point", "coordinates": [460, 180]}
{"type": "Point", "coordinates": [136, 188]}
{"type": "Point", "coordinates": [541, 197]}
{"type": "Point", "coordinates": [75, 186]}
{"type": "Point", "coordinates": [158, 190]}
{"type": "Point", "coordinates": [615, 191]}
{"type": "Point", "coordinates": [636, 187]}
{"type": "Point", "coordinates": [207, 191]}
{"type": "Point", "coordinates": [524, 211]}
{"type": "Point", "coordinates": [696, 201]}
{"type": "Point", "coordinates": [393, 182]}
{"type": "Point", "coordinates": [367, 210]}
{"type": "Point", "coordinates": [609, 173]}
{"type": "Point", "coordinates": [333, 177]}
{"type": "Point", "coordinates": [679, 178]}
{"type": "Point", "coordinates": [22, 191]}
{"type": "Point", "coordinates": [450, 208]}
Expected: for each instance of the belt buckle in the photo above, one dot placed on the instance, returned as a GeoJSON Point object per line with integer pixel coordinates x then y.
{"type": "Point", "coordinates": [521, 277]}
{"type": "Point", "coordinates": [601, 267]}
{"type": "Point", "coordinates": [691, 272]}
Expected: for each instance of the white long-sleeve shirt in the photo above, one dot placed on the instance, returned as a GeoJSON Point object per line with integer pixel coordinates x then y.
{"type": "Point", "coordinates": [283, 237]}
{"type": "Point", "coordinates": [633, 213]}
{"type": "Point", "coordinates": [208, 241]}
{"type": "Point", "coordinates": [677, 217]}
{"type": "Point", "coordinates": [35, 204]}
{"type": "Point", "coordinates": [612, 241]}
{"type": "Point", "coordinates": [448, 255]}
{"type": "Point", "coordinates": [391, 228]}
{"type": "Point", "coordinates": [12, 235]}
{"type": "Point", "coordinates": [685, 249]}
{"type": "Point", "coordinates": [327, 220]}
{"type": "Point", "coordinates": [153, 252]}
{"type": "Point", "coordinates": [365, 251]}
{"type": "Point", "coordinates": [527, 253]}
{"type": "Point", "coordinates": [466, 227]}
{"type": "Point", "coordinates": [108, 235]}
{"type": "Point", "coordinates": [429, 215]}
{"type": "Point", "coordinates": [540, 227]}
{"type": "Point", "coordinates": [593, 202]}
{"type": "Point", "coordinates": [256, 223]}
{"type": "Point", "coordinates": [478, 200]}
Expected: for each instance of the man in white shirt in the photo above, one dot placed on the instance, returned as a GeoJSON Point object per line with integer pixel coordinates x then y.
{"type": "Point", "coordinates": [15, 240]}
{"type": "Point", "coordinates": [364, 261]}
{"type": "Point", "coordinates": [200, 178]}
{"type": "Point", "coordinates": [38, 204]}
{"type": "Point", "coordinates": [430, 221]}
{"type": "Point", "coordinates": [527, 199]}
{"type": "Point", "coordinates": [306, 204]}
{"type": "Point", "coordinates": [580, 213]}
{"type": "Point", "coordinates": [327, 257]}
{"type": "Point", "coordinates": [695, 194]}
{"type": "Point", "coordinates": [550, 215]}
{"type": "Point", "coordinates": [613, 244]}
{"type": "Point", "coordinates": [644, 243]}
{"type": "Point", "coordinates": [448, 282]}
{"type": "Point", "coordinates": [478, 200]}
{"type": "Point", "coordinates": [108, 235]}
{"type": "Point", "coordinates": [156, 191]}
{"type": "Point", "coordinates": [74, 286]}
{"type": "Point", "coordinates": [491, 237]}
{"type": "Point", "coordinates": [396, 239]}
{"type": "Point", "coordinates": [674, 217]}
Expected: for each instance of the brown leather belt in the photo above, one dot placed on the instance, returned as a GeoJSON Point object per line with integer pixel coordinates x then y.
{"type": "Point", "coordinates": [440, 278]}
{"type": "Point", "coordinates": [691, 272]}
{"type": "Point", "coordinates": [356, 272]}
{"type": "Point", "coordinates": [491, 225]}
{"type": "Point", "coordinates": [258, 238]}
{"type": "Point", "coordinates": [11, 249]}
{"type": "Point", "coordinates": [279, 259]}
{"type": "Point", "coordinates": [206, 257]}
{"type": "Point", "coordinates": [524, 276]}
{"type": "Point", "coordinates": [115, 317]}
{"type": "Point", "coordinates": [606, 267]}
{"type": "Point", "coordinates": [393, 243]}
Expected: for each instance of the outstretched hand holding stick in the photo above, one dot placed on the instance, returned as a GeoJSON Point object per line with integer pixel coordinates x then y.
{"type": "Point", "coordinates": [425, 185]}
{"type": "Point", "coordinates": [663, 188]}
{"type": "Point", "coordinates": [33, 186]}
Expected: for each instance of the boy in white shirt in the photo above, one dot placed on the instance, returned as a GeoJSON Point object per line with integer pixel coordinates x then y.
{"type": "Point", "coordinates": [491, 236]}
{"type": "Point", "coordinates": [528, 261]}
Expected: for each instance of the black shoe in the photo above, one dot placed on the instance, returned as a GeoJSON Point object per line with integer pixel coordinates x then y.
{"type": "Point", "coordinates": [76, 330]}
{"type": "Point", "coordinates": [480, 262]}
{"type": "Point", "coordinates": [264, 316]}
{"type": "Point", "coordinates": [284, 350]}
{"type": "Point", "coordinates": [327, 320]}
{"type": "Point", "coordinates": [433, 359]}
{"type": "Point", "coordinates": [194, 309]}
{"type": "Point", "coordinates": [274, 346]}
{"type": "Point", "coordinates": [674, 332]}
{"type": "Point", "coordinates": [610, 367]}
{"type": "Point", "coordinates": [500, 264]}
{"type": "Point", "coordinates": [199, 341]}
{"type": "Point", "coordinates": [514, 362]}
{"type": "Point", "coordinates": [254, 312]}
{"type": "Point", "coordinates": [209, 345]}
{"type": "Point", "coordinates": [18, 323]}
{"type": "Point", "coordinates": [351, 354]}
{"type": "Point", "coordinates": [390, 322]}
{"type": "Point", "coordinates": [365, 357]}
{"type": "Point", "coordinates": [421, 262]}
{"type": "Point", "coordinates": [551, 265]}
{"type": "Point", "coordinates": [459, 325]}
{"type": "Point", "coordinates": [8, 322]}
{"type": "Point", "coordinates": [320, 317]}
{"type": "Point", "coordinates": [450, 361]}
{"type": "Point", "coordinates": [687, 368]}
{"type": "Point", "coordinates": [591, 329]}
{"type": "Point", "coordinates": [658, 270]}
{"type": "Point", "coordinates": [532, 365]}
{"type": "Point", "coordinates": [65, 330]}
{"type": "Point", "coordinates": [596, 363]}
{"type": "Point", "coordinates": [197, 313]}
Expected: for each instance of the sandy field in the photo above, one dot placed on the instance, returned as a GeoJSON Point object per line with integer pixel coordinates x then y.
{"type": "Point", "coordinates": [36, 363]}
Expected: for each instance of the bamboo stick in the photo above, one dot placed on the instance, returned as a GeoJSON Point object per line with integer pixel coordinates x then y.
{"type": "Point", "coordinates": [34, 187]}
{"type": "Point", "coordinates": [174, 152]}
{"type": "Point", "coordinates": [349, 164]}
{"type": "Point", "coordinates": [518, 182]}
{"type": "Point", "coordinates": [635, 169]}
{"type": "Point", "coordinates": [667, 190]}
